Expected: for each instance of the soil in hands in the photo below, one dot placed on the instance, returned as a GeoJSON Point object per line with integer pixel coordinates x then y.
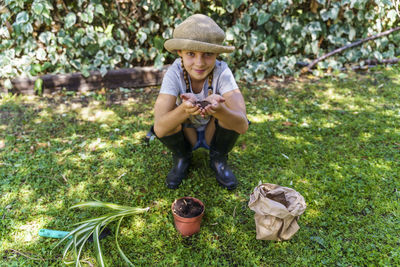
{"type": "Point", "coordinates": [187, 208]}
{"type": "Point", "coordinates": [203, 103]}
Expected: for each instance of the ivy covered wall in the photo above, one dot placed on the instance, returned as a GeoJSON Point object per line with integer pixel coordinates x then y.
{"type": "Point", "coordinates": [61, 36]}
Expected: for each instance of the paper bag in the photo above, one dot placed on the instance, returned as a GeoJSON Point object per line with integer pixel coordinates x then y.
{"type": "Point", "coordinates": [277, 210]}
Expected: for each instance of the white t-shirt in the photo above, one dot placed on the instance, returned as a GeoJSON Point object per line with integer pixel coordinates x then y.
{"type": "Point", "coordinates": [174, 84]}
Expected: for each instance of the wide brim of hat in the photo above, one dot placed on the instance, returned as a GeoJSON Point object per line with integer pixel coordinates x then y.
{"type": "Point", "coordinates": [173, 45]}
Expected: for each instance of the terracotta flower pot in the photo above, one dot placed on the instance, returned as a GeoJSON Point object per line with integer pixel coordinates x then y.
{"type": "Point", "coordinates": [185, 224]}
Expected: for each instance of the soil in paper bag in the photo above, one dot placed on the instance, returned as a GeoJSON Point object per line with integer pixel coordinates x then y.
{"type": "Point", "coordinates": [279, 198]}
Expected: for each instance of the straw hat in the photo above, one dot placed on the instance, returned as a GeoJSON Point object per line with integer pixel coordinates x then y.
{"type": "Point", "coordinates": [198, 33]}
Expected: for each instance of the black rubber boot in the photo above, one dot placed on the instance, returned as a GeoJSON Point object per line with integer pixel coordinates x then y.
{"type": "Point", "coordinates": [221, 144]}
{"type": "Point", "coordinates": [182, 155]}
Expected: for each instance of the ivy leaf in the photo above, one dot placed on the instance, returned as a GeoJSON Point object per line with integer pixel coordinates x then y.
{"type": "Point", "coordinates": [41, 54]}
{"type": "Point", "coordinates": [230, 8]}
{"type": "Point", "coordinates": [76, 64]}
{"type": "Point", "coordinates": [314, 47]}
{"type": "Point", "coordinates": [7, 84]}
{"type": "Point", "coordinates": [110, 43]}
{"type": "Point", "coordinates": [22, 17]}
{"type": "Point", "coordinates": [230, 35]}
{"type": "Point", "coordinates": [260, 75]}
{"type": "Point", "coordinates": [38, 87]}
{"type": "Point", "coordinates": [27, 29]}
{"type": "Point", "coordinates": [37, 7]}
{"type": "Point", "coordinates": [142, 36]}
{"type": "Point", "coordinates": [4, 32]}
{"type": "Point", "coordinates": [44, 37]}
{"type": "Point", "coordinates": [159, 61]}
{"type": "Point", "coordinates": [277, 7]}
{"type": "Point", "coordinates": [262, 47]}
{"type": "Point", "coordinates": [248, 50]}
{"type": "Point", "coordinates": [108, 30]}
{"type": "Point", "coordinates": [100, 9]}
{"type": "Point", "coordinates": [127, 56]}
{"type": "Point", "coordinates": [100, 55]}
{"type": "Point", "coordinates": [84, 41]}
{"type": "Point", "coordinates": [97, 62]}
{"type": "Point", "coordinates": [334, 11]}
{"type": "Point", "coordinates": [85, 71]}
{"type": "Point", "coordinates": [392, 15]}
{"type": "Point", "coordinates": [158, 43]}
{"type": "Point", "coordinates": [103, 70]}
{"type": "Point", "coordinates": [325, 15]}
{"type": "Point", "coordinates": [348, 15]}
{"type": "Point", "coordinates": [246, 20]}
{"type": "Point", "coordinates": [352, 33]}
{"type": "Point", "coordinates": [253, 10]}
{"type": "Point", "coordinates": [263, 18]}
{"type": "Point", "coordinates": [378, 56]}
{"type": "Point", "coordinates": [236, 3]}
{"type": "Point", "coordinates": [70, 20]}
{"type": "Point", "coordinates": [152, 52]}
{"type": "Point", "coordinates": [119, 49]}
{"type": "Point", "coordinates": [89, 12]}
{"type": "Point", "coordinates": [314, 26]}
{"type": "Point", "coordinates": [84, 17]}
{"type": "Point", "coordinates": [369, 15]}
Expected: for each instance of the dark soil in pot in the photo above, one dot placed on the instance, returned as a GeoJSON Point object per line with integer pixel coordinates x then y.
{"type": "Point", "coordinates": [187, 208]}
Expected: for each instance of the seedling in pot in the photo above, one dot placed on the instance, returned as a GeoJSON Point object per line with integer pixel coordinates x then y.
{"type": "Point", "coordinates": [187, 212]}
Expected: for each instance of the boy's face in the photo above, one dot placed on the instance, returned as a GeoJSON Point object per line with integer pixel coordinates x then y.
{"type": "Point", "coordinates": [198, 64]}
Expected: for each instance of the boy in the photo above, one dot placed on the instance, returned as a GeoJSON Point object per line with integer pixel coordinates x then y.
{"type": "Point", "coordinates": [199, 104]}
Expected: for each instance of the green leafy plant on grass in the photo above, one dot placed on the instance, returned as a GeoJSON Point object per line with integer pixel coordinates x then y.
{"type": "Point", "coordinates": [78, 237]}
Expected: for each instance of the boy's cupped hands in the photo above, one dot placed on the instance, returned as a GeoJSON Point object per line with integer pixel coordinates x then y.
{"type": "Point", "coordinates": [209, 106]}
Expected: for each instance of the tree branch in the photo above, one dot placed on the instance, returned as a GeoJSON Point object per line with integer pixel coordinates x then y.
{"type": "Point", "coordinates": [312, 64]}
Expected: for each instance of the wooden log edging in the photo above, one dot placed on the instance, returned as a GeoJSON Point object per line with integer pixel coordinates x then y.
{"type": "Point", "coordinates": [127, 78]}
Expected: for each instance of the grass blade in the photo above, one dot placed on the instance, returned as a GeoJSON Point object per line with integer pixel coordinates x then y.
{"type": "Point", "coordinates": [130, 211]}
{"type": "Point", "coordinates": [118, 247]}
{"type": "Point", "coordinates": [100, 204]}
{"type": "Point", "coordinates": [87, 232]}
{"type": "Point", "coordinates": [66, 248]}
{"type": "Point", "coordinates": [97, 246]}
{"type": "Point", "coordinates": [78, 264]}
{"type": "Point", "coordinates": [83, 240]}
{"type": "Point", "coordinates": [94, 220]}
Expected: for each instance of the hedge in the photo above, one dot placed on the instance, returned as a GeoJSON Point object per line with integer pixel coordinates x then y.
{"type": "Point", "coordinates": [271, 37]}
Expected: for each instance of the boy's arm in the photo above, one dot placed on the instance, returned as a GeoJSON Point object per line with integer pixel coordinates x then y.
{"type": "Point", "coordinates": [168, 117]}
{"type": "Point", "coordinates": [232, 113]}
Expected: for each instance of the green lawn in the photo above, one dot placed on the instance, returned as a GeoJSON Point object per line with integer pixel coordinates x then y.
{"type": "Point", "coordinates": [336, 141]}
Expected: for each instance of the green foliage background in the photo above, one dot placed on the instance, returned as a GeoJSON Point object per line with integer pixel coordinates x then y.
{"type": "Point", "coordinates": [44, 36]}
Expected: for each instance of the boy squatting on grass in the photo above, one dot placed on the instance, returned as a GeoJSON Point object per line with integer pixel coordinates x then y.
{"type": "Point", "coordinates": [199, 103]}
